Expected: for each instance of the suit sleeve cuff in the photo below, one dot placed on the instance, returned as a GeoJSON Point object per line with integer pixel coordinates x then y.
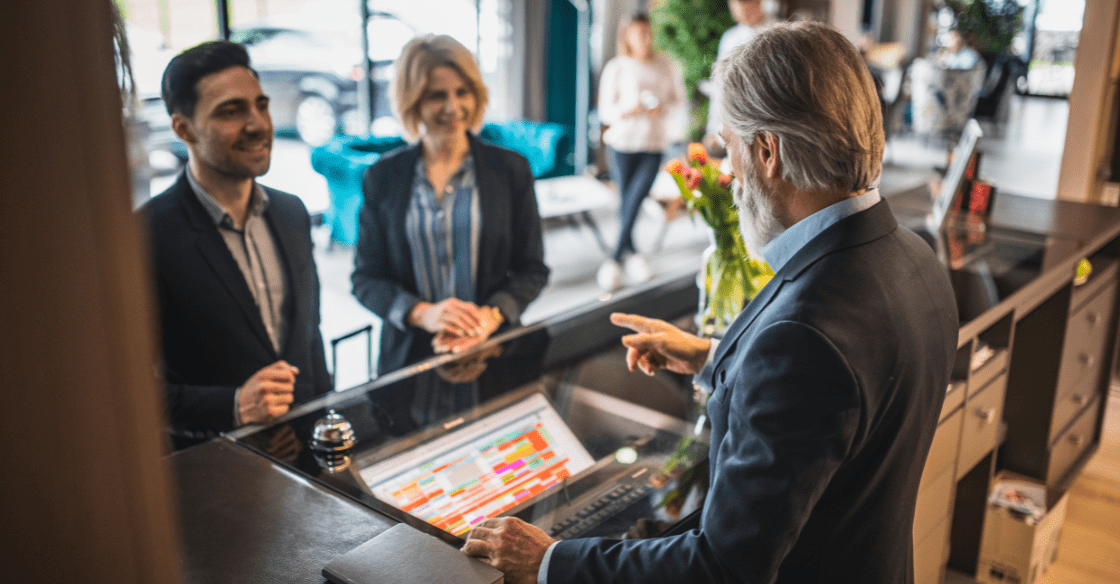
{"type": "Point", "coordinates": [236, 410]}
{"type": "Point", "coordinates": [542, 575]}
{"type": "Point", "coordinates": [398, 312]}
{"type": "Point", "coordinates": [511, 310]}
{"type": "Point", "coordinates": [705, 378]}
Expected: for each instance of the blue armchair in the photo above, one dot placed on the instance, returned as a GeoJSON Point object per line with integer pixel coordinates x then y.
{"type": "Point", "coordinates": [344, 159]}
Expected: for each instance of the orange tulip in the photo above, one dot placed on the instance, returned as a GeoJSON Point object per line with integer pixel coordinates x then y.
{"type": "Point", "coordinates": [724, 180]}
{"type": "Point", "coordinates": [675, 166]}
{"type": "Point", "coordinates": [692, 178]}
{"type": "Point", "coordinates": [696, 153]}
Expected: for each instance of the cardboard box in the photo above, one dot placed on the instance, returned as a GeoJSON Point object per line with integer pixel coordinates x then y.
{"type": "Point", "coordinates": [1021, 531]}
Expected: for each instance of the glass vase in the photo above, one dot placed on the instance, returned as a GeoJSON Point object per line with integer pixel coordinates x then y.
{"type": "Point", "coordinates": [725, 284]}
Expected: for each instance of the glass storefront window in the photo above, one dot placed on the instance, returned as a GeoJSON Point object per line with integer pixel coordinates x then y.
{"type": "Point", "coordinates": [308, 55]}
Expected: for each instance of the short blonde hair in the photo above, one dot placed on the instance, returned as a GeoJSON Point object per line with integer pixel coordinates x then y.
{"type": "Point", "coordinates": [418, 59]}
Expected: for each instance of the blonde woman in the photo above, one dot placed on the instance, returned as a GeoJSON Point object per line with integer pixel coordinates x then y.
{"type": "Point", "coordinates": [449, 238]}
{"type": "Point", "coordinates": [639, 93]}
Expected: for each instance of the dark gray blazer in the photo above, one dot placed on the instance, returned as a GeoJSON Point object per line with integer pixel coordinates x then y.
{"type": "Point", "coordinates": [212, 332]}
{"type": "Point", "coordinates": [826, 394]}
{"type": "Point", "coordinates": [511, 269]}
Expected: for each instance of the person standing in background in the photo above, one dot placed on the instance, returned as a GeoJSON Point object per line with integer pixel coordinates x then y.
{"type": "Point", "coordinates": [750, 19]}
{"type": "Point", "coordinates": [639, 92]}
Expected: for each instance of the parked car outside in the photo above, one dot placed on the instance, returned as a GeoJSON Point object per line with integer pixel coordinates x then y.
{"type": "Point", "coordinates": [312, 75]}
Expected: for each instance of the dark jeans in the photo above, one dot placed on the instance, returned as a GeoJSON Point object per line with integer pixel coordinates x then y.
{"type": "Point", "coordinates": [634, 173]}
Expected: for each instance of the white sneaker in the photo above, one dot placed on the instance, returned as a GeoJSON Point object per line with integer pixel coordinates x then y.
{"type": "Point", "coordinates": [609, 276]}
{"type": "Point", "coordinates": [637, 269]}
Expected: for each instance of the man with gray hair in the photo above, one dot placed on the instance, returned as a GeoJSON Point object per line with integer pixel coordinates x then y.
{"type": "Point", "coordinates": [827, 388]}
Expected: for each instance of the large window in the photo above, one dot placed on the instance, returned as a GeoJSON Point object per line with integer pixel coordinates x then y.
{"type": "Point", "coordinates": [308, 55]}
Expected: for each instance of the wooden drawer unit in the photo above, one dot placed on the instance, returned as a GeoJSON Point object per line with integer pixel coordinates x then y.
{"type": "Point", "coordinates": [1067, 404]}
{"type": "Point", "coordinates": [935, 504]}
{"type": "Point", "coordinates": [1085, 339]}
{"type": "Point", "coordinates": [1068, 448]}
{"type": "Point", "coordinates": [983, 412]}
{"type": "Point", "coordinates": [954, 397]}
{"type": "Point", "coordinates": [943, 452]}
{"type": "Point", "coordinates": [983, 373]}
{"type": "Point", "coordinates": [930, 555]}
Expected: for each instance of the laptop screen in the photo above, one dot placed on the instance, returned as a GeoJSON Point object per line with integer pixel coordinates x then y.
{"type": "Point", "coordinates": [482, 469]}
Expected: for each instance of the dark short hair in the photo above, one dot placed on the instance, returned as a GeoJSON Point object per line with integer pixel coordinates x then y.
{"type": "Point", "coordinates": [180, 80]}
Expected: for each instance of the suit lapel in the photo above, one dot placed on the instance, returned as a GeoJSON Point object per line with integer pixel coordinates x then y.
{"type": "Point", "coordinates": [487, 190]}
{"type": "Point", "coordinates": [215, 254]}
{"type": "Point", "coordinates": [745, 318]}
{"type": "Point", "coordinates": [857, 229]}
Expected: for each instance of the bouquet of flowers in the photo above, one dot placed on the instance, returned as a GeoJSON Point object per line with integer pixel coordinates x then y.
{"type": "Point", "coordinates": [730, 277]}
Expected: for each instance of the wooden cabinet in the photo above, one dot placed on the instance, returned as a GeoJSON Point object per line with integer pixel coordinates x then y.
{"type": "Point", "coordinates": [1059, 373]}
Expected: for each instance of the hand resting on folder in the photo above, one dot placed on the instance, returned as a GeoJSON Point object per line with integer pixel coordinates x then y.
{"type": "Point", "coordinates": [510, 545]}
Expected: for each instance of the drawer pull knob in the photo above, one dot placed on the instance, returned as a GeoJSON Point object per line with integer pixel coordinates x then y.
{"type": "Point", "coordinates": [1093, 318]}
{"type": "Point", "coordinates": [1079, 399]}
{"type": "Point", "coordinates": [1087, 359]}
{"type": "Point", "coordinates": [986, 414]}
{"type": "Point", "coordinates": [1078, 440]}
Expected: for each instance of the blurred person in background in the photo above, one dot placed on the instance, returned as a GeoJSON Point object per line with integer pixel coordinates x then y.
{"type": "Point", "coordinates": [449, 237]}
{"type": "Point", "coordinates": [750, 18]}
{"type": "Point", "coordinates": [640, 91]}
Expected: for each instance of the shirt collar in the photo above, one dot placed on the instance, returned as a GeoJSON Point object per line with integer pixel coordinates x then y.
{"type": "Point", "coordinates": [783, 247]}
{"type": "Point", "coordinates": [258, 202]}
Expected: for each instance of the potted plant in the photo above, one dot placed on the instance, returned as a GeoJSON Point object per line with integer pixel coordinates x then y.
{"type": "Point", "coordinates": [991, 26]}
{"type": "Point", "coordinates": [689, 31]}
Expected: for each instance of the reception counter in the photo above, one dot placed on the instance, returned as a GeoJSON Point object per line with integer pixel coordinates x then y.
{"type": "Point", "coordinates": [617, 453]}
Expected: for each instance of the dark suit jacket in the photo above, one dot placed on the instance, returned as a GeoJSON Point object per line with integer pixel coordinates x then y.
{"type": "Point", "coordinates": [826, 394]}
{"type": "Point", "coordinates": [212, 332]}
{"type": "Point", "coordinates": [511, 270]}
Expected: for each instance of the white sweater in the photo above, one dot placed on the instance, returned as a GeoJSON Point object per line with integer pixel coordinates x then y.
{"type": "Point", "coordinates": [626, 82]}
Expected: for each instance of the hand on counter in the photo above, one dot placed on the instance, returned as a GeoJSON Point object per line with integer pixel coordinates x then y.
{"type": "Point", "coordinates": [453, 316]}
{"type": "Point", "coordinates": [267, 394]}
{"type": "Point", "coordinates": [451, 341]}
{"type": "Point", "coordinates": [510, 545]}
{"type": "Point", "coordinates": [660, 345]}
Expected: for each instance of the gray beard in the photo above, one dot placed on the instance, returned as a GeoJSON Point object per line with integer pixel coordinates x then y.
{"type": "Point", "coordinates": [758, 216]}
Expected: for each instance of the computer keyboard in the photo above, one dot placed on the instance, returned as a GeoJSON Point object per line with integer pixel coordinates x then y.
{"type": "Point", "coordinates": [595, 512]}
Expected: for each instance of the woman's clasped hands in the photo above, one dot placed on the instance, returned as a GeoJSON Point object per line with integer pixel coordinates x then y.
{"type": "Point", "coordinates": [457, 324]}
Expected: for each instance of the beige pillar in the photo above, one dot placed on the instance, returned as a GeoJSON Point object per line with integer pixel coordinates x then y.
{"type": "Point", "coordinates": [83, 484]}
{"type": "Point", "coordinates": [1091, 109]}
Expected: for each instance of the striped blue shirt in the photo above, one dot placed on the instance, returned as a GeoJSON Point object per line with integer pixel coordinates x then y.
{"type": "Point", "coordinates": [443, 234]}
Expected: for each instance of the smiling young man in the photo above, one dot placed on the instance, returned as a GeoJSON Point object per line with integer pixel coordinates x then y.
{"type": "Point", "coordinates": [236, 282]}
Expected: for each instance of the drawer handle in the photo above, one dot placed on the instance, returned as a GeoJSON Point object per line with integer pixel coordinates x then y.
{"type": "Point", "coordinates": [1078, 440]}
{"type": "Point", "coordinates": [986, 414]}
{"type": "Point", "coordinates": [1088, 360]}
{"type": "Point", "coordinates": [1079, 399]}
{"type": "Point", "coordinates": [1093, 318]}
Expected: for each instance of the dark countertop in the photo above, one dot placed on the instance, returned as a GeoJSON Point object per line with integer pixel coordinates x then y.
{"type": "Point", "coordinates": [247, 519]}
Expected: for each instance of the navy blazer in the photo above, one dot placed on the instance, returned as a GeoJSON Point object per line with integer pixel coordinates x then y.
{"type": "Point", "coordinates": [213, 336]}
{"type": "Point", "coordinates": [826, 394]}
{"type": "Point", "coordinates": [511, 270]}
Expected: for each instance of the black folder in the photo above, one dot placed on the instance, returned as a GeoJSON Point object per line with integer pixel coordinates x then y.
{"type": "Point", "coordinates": [405, 555]}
